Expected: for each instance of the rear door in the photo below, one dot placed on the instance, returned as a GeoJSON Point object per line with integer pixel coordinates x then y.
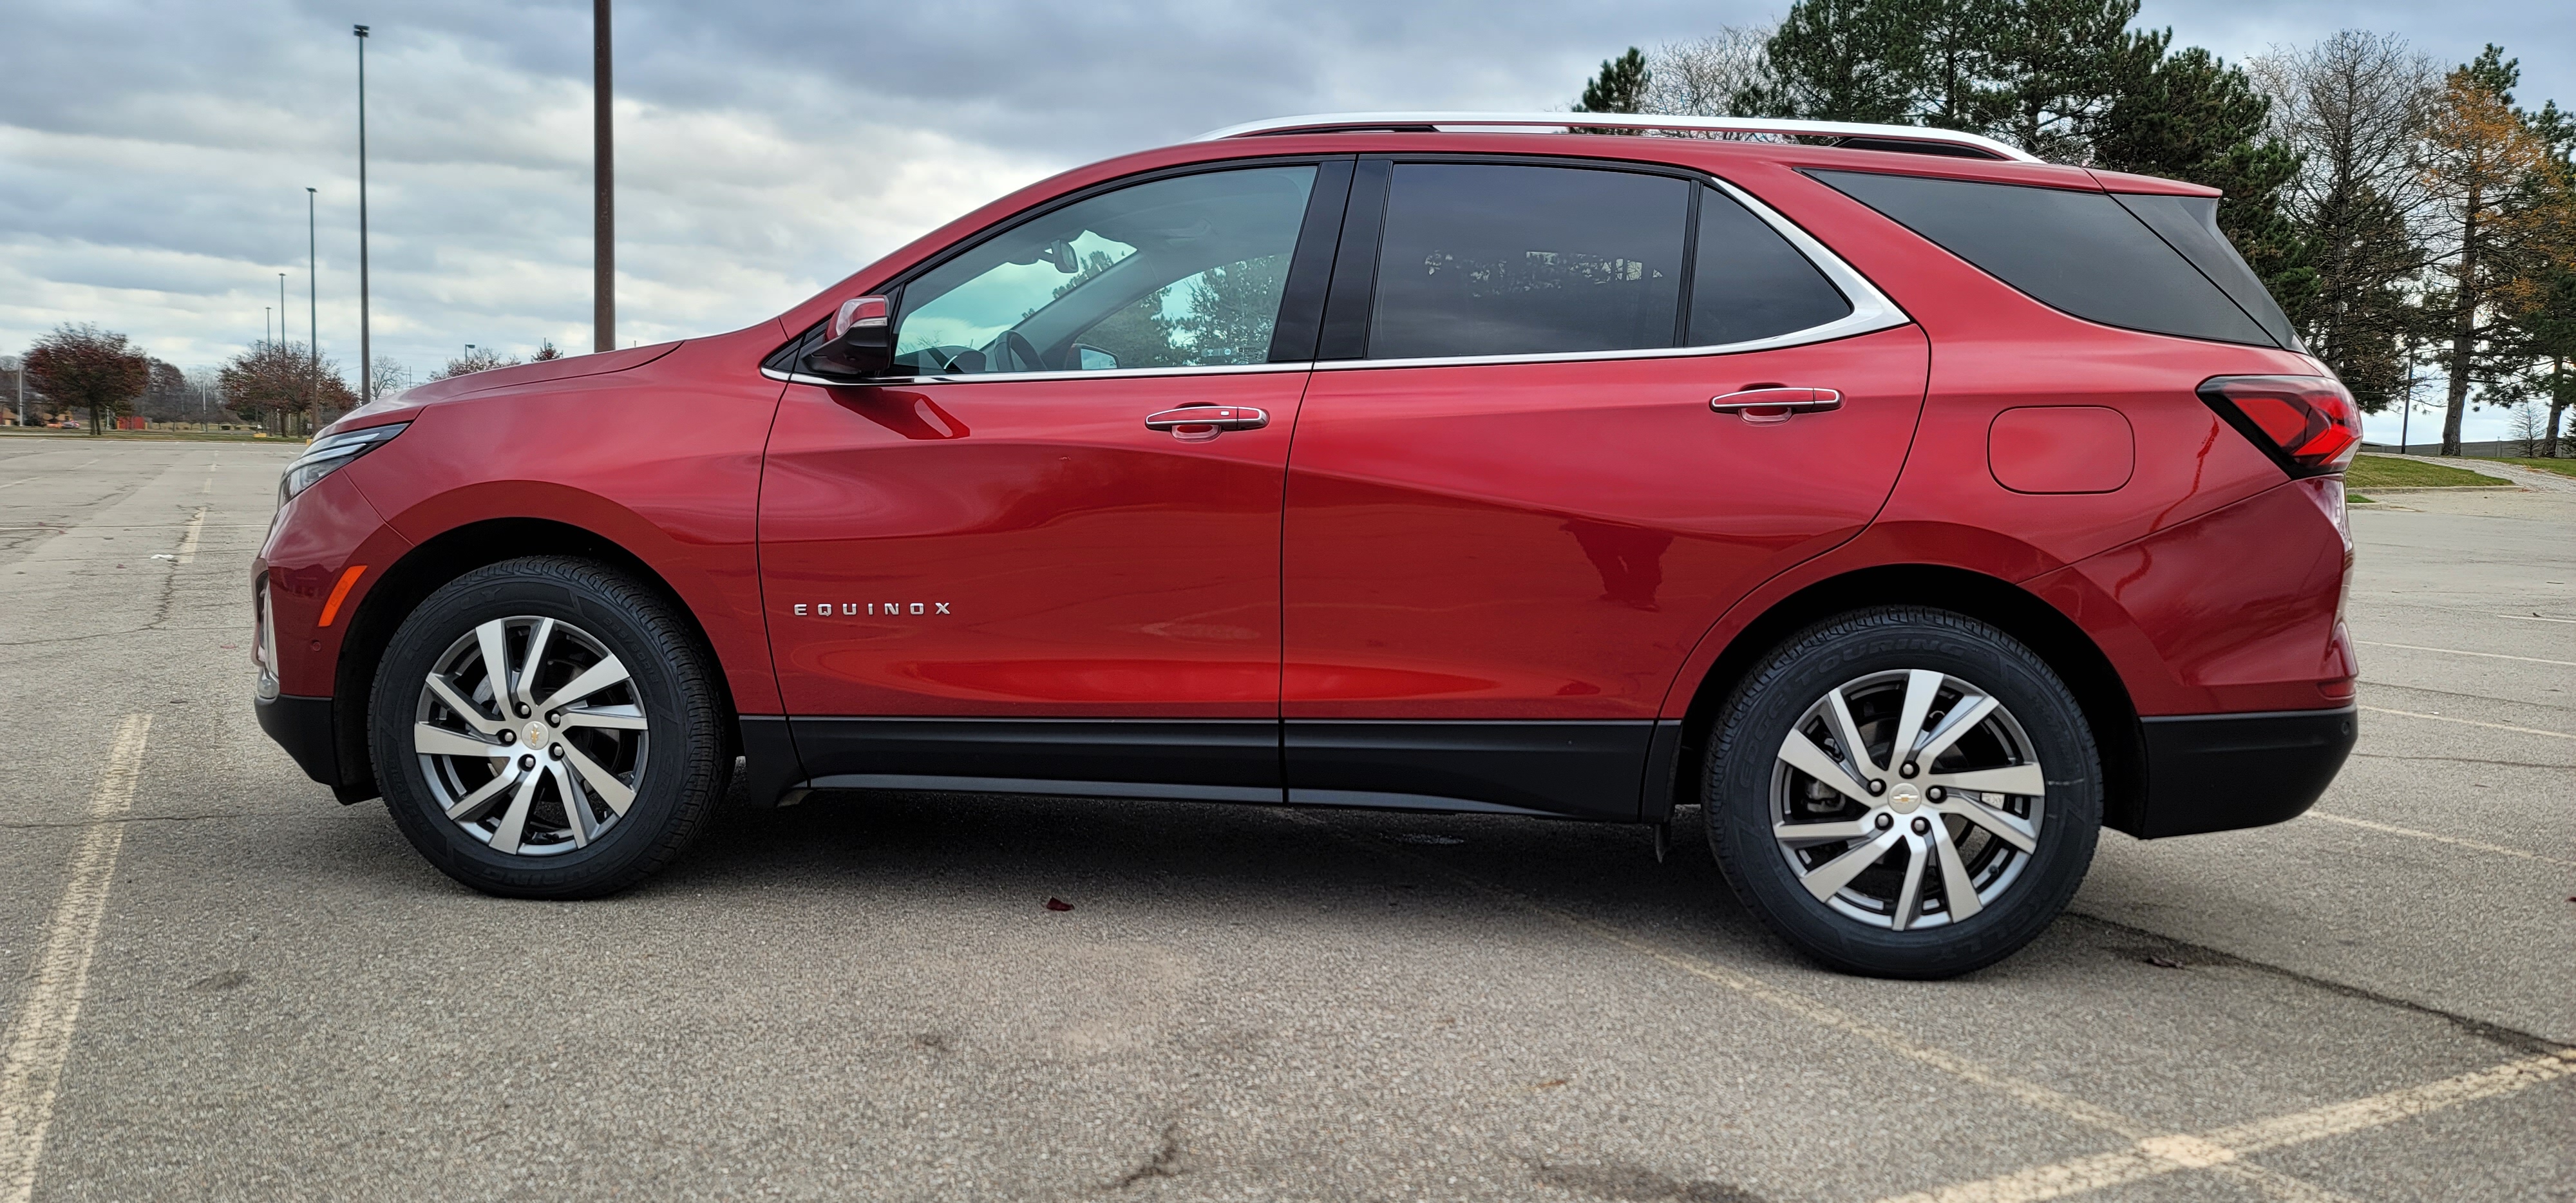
{"type": "Point", "coordinates": [1012, 568]}
{"type": "Point", "coordinates": [1512, 510]}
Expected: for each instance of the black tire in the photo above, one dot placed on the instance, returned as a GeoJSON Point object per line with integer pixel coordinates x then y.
{"type": "Point", "coordinates": [678, 773]}
{"type": "Point", "coordinates": [1746, 787]}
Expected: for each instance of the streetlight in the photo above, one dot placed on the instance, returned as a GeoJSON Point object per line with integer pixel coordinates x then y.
{"type": "Point", "coordinates": [603, 280]}
{"type": "Point", "coordinates": [313, 309]}
{"type": "Point", "coordinates": [366, 342]}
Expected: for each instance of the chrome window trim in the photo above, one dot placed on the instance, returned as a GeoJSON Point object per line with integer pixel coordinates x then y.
{"type": "Point", "coordinates": [1872, 311]}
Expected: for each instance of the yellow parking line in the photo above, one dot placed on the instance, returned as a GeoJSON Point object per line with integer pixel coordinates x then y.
{"type": "Point", "coordinates": [40, 1040]}
{"type": "Point", "coordinates": [2160, 1155]}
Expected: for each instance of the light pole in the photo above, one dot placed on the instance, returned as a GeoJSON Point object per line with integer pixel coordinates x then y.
{"type": "Point", "coordinates": [312, 312]}
{"type": "Point", "coordinates": [281, 308]}
{"type": "Point", "coordinates": [603, 281]}
{"type": "Point", "coordinates": [366, 342]}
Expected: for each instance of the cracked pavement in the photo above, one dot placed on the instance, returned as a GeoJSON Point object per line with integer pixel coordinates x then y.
{"type": "Point", "coordinates": [866, 997]}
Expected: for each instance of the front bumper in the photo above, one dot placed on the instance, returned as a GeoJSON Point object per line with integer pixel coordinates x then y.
{"type": "Point", "coordinates": [2220, 772]}
{"type": "Point", "coordinates": [306, 728]}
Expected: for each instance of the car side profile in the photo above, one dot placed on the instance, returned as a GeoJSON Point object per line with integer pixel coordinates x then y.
{"type": "Point", "coordinates": [1916, 508]}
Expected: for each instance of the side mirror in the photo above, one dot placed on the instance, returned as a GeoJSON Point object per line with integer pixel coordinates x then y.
{"type": "Point", "coordinates": [860, 342]}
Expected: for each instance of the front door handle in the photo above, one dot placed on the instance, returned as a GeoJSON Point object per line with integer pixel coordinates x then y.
{"type": "Point", "coordinates": [1763, 406]}
{"type": "Point", "coordinates": [1201, 422]}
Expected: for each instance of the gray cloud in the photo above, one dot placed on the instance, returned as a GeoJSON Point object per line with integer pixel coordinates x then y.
{"type": "Point", "coordinates": [153, 156]}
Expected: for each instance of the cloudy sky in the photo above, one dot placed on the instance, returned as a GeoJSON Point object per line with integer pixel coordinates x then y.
{"type": "Point", "coordinates": [154, 156]}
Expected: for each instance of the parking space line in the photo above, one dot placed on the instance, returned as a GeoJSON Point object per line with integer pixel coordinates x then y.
{"type": "Point", "coordinates": [2535, 618]}
{"type": "Point", "coordinates": [40, 1040]}
{"type": "Point", "coordinates": [2453, 840]}
{"type": "Point", "coordinates": [2468, 722]}
{"type": "Point", "coordinates": [2269, 1182]}
{"type": "Point", "coordinates": [2452, 651]}
{"type": "Point", "coordinates": [2160, 1155]}
{"type": "Point", "coordinates": [188, 542]}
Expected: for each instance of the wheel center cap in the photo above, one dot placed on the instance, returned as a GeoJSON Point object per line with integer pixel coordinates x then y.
{"type": "Point", "coordinates": [534, 734]}
{"type": "Point", "coordinates": [1903, 798]}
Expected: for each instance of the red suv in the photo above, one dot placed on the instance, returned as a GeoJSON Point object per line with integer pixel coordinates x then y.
{"type": "Point", "coordinates": [1914, 507]}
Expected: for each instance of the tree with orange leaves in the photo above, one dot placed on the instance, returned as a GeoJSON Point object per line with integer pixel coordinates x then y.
{"type": "Point", "coordinates": [2481, 157]}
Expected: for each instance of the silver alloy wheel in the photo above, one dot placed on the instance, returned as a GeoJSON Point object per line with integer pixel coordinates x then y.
{"type": "Point", "coordinates": [1916, 838]}
{"type": "Point", "coordinates": [530, 735]}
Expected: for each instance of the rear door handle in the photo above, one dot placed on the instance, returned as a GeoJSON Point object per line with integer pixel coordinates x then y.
{"type": "Point", "coordinates": [1766, 405]}
{"type": "Point", "coordinates": [1199, 423]}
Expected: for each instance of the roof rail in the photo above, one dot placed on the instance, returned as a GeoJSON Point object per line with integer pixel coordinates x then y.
{"type": "Point", "coordinates": [1917, 138]}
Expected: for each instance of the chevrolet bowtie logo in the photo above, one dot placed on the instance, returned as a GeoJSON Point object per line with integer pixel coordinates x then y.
{"type": "Point", "coordinates": [855, 609]}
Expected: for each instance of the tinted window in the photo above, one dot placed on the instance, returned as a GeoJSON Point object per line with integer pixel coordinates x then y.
{"type": "Point", "coordinates": [1178, 272]}
{"type": "Point", "coordinates": [1750, 283]}
{"type": "Point", "coordinates": [2076, 251]}
{"type": "Point", "coordinates": [1506, 260]}
{"type": "Point", "coordinates": [2190, 225]}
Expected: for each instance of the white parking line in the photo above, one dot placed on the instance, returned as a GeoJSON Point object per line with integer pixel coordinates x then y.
{"type": "Point", "coordinates": [2268, 1182]}
{"type": "Point", "coordinates": [2452, 651]}
{"type": "Point", "coordinates": [2160, 1155]}
{"type": "Point", "coordinates": [31, 1060]}
{"type": "Point", "coordinates": [2452, 840]}
{"type": "Point", "coordinates": [2467, 722]}
{"type": "Point", "coordinates": [188, 542]}
{"type": "Point", "coordinates": [2535, 618]}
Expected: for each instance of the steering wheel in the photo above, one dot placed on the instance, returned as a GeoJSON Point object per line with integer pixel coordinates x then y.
{"type": "Point", "coordinates": [1017, 347]}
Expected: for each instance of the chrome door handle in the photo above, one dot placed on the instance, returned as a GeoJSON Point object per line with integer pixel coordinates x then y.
{"type": "Point", "coordinates": [1767, 405]}
{"type": "Point", "coordinates": [1199, 423]}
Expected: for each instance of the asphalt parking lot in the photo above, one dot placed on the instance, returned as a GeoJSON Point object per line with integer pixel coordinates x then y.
{"type": "Point", "coordinates": [220, 984]}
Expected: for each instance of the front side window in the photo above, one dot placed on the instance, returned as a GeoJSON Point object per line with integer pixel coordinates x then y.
{"type": "Point", "coordinates": [1180, 272]}
{"type": "Point", "coordinates": [1493, 259]}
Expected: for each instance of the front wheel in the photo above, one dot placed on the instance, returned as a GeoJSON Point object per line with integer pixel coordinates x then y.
{"type": "Point", "coordinates": [1904, 792]}
{"type": "Point", "coordinates": [547, 728]}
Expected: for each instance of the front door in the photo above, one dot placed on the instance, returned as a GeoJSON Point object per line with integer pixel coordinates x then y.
{"type": "Point", "coordinates": [1513, 509]}
{"type": "Point", "coordinates": [1014, 568]}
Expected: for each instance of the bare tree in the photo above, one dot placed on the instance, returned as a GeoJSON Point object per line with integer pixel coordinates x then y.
{"type": "Point", "coordinates": [391, 377]}
{"type": "Point", "coordinates": [1702, 78]}
{"type": "Point", "coordinates": [2528, 430]}
{"type": "Point", "coordinates": [2355, 106]}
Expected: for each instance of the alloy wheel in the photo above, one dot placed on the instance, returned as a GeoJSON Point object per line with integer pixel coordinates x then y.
{"type": "Point", "coordinates": [1907, 799]}
{"type": "Point", "coordinates": [531, 736]}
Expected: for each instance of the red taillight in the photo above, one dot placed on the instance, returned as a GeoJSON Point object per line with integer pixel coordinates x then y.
{"type": "Point", "coordinates": [2308, 423]}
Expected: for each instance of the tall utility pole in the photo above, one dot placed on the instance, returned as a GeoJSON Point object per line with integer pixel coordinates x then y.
{"type": "Point", "coordinates": [312, 311]}
{"type": "Point", "coordinates": [281, 309]}
{"type": "Point", "coordinates": [603, 282]}
{"type": "Point", "coordinates": [366, 341]}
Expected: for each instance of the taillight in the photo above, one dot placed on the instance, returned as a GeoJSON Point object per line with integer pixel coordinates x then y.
{"type": "Point", "coordinates": [2308, 424]}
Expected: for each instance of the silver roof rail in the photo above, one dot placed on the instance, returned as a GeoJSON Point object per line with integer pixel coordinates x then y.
{"type": "Point", "coordinates": [1321, 123]}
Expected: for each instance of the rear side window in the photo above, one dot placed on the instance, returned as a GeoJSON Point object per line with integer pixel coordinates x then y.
{"type": "Point", "coordinates": [2190, 224]}
{"type": "Point", "coordinates": [2080, 252]}
{"type": "Point", "coordinates": [1750, 283]}
{"type": "Point", "coordinates": [1492, 259]}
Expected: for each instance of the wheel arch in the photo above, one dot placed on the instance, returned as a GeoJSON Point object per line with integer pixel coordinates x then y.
{"type": "Point", "coordinates": [444, 557]}
{"type": "Point", "coordinates": [2087, 671]}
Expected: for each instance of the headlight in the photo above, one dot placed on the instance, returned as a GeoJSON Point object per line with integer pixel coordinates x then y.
{"type": "Point", "coordinates": [328, 455]}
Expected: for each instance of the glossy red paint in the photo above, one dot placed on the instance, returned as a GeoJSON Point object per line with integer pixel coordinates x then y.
{"type": "Point", "coordinates": [2061, 449]}
{"type": "Point", "coordinates": [1547, 540]}
{"type": "Point", "coordinates": [1565, 540]}
{"type": "Point", "coordinates": [1072, 562]}
{"type": "Point", "coordinates": [663, 461]}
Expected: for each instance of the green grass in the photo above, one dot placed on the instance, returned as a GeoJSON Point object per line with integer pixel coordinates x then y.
{"type": "Point", "coordinates": [2563, 467]}
{"type": "Point", "coordinates": [2390, 472]}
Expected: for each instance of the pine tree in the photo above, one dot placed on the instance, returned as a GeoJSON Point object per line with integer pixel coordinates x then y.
{"type": "Point", "coordinates": [2196, 118]}
{"type": "Point", "coordinates": [2481, 152]}
{"type": "Point", "coordinates": [1840, 60]}
{"type": "Point", "coordinates": [1620, 88]}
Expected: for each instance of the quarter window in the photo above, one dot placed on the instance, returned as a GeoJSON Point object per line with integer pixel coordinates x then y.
{"type": "Point", "coordinates": [1180, 272]}
{"type": "Point", "coordinates": [1750, 283]}
{"type": "Point", "coordinates": [1489, 259]}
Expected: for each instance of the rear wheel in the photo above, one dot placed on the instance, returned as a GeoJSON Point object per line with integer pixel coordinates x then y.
{"type": "Point", "coordinates": [546, 728]}
{"type": "Point", "coordinates": [1904, 792]}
